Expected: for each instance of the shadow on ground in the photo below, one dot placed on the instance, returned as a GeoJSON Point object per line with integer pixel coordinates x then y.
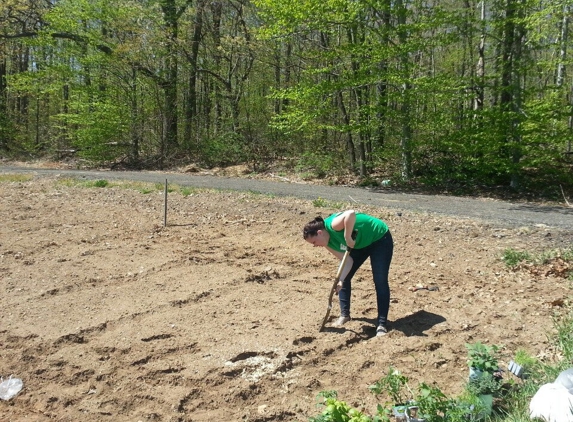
{"type": "Point", "coordinates": [416, 323]}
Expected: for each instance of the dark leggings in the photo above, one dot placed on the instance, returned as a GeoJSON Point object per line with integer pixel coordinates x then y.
{"type": "Point", "coordinates": [380, 253]}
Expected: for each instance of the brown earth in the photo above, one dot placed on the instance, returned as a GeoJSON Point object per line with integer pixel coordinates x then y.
{"type": "Point", "coordinates": [109, 316]}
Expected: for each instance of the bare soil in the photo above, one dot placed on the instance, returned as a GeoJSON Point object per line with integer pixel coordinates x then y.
{"type": "Point", "coordinates": [106, 315]}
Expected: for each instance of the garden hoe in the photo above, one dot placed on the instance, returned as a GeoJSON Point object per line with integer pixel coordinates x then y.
{"type": "Point", "coordinates": [333, 289]}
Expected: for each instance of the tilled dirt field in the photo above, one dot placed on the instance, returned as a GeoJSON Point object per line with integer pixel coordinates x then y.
{"type": "Point", "coordinates": [109, 316]}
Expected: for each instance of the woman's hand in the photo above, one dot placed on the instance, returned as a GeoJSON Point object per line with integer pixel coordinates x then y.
{"type": "Point", "coordinates": [339, 286]}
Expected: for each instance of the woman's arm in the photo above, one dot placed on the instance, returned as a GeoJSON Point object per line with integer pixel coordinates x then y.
{"type": "Point", "coordinates": [345, 221]}
{"type": "Point", "coordinates": [345, 270]}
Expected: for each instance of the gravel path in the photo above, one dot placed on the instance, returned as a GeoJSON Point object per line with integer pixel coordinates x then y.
{"type": "Point", "coordinates": [488, 210]}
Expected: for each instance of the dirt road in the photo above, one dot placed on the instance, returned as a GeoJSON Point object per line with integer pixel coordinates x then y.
{"type": "Point", "coordinates": [495, 211]}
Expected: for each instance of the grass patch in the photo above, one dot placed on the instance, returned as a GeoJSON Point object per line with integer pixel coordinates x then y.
{"type": "Point", "coordinates": [186, 191]}
{"type": "Point", "coordinates": [77, 183]}
{"type": "Point", "coordinates": [142, 187]}
{"type": "Point", "coordinates": [323, 203]}
{"type": "Point", "coordinates": [101, 183]}
{"type": "Point", "coordinates": [249, 194]}
{"type": "Point", "coordinates": [512, 257]}
{"type": "Point", "coordinates": [564, 336]}
{"type": "Point", "coordinates": [15, 177]}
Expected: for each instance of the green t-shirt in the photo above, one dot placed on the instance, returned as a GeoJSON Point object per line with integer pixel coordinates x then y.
{"type": "Point", "coordinates": [369, 230]}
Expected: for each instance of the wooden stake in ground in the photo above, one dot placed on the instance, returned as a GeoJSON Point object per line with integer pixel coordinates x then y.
{"type": "Point", "coordinates": [165, 206]}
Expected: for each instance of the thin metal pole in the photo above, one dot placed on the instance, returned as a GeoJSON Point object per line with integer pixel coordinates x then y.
{"type": "Point", "coordinates": [165, 206]}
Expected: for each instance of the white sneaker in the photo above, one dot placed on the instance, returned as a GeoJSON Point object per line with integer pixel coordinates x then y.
{"type": "Point", "coordinates": [341, 321]}
{"type": "Point", "coordinates": [381, 331]}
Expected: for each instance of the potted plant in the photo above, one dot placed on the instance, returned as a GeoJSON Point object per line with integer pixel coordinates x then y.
{"type": "Point", "coordinates": [485, 387]}
{"type": "Point", "coordinates": [395, 385]}
{"type": "Point", "coordinates": [482, 358]}
{"type": "Point", "coordinates": [432, 403]}
{"type": "Point", "coordinates": [466, 407]}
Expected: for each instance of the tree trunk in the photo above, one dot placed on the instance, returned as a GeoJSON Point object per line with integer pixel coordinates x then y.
{"type": "Point", "coordinates": [287, 69]}
{"type": "Point", "coordinates": [480, 68]}
{"type": "Point", "coordinates": [561, 71]}
{"type": "Point", "coordinates": [135, 132]}
{"type": "Point", "coordinates": [382, 87]}
{"type": "Point", "coordinates": [4, 121]}
{"type": "Point", "coordinates": [355, 39]}
{"type": "Point", "coordinates": [170, 140]}
{"type": "Point", "coordinates": [349, 141]}
{"type": "Point", "coordinates": [406, 133]}
{"type": "Point", "coordinates": [510, 100]}
{"type": "Point", "coordinates": [191, 105]}
{"type": "Point", "coordinates": [217, 10]}
{"type": "Point", "coordinates": [563, 47]}
{"type": "Point", "coordinates": [23, 99]}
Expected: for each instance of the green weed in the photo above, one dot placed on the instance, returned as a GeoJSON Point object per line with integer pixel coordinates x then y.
{"type": "Point", "coordinates": [70, 182]}
{"type": "Point", "coordinates": [187, 191]}
{"type": "Point", "coordinates": [142, 187]}
{"type": "Point", "coordinates": [512, 257]}
{"type": "Point", "coordinates": [323, 203]}
{"type": "Point", "coordinates": [15, 177]}
{"type": "Point", "coordinates": [564, 336]}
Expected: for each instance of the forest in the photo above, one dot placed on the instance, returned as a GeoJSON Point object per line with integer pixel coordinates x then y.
{"type": "Point", "coordinates": [437, 93]}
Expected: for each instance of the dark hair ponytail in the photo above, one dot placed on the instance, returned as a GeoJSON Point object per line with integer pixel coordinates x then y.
{"type": "Point", "coordinates": [312, 228]}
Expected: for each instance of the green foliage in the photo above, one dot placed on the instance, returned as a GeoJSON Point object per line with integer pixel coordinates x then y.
{"type": "Point", "coordinates": [564, 336]}
{"type": "Point", "coordinates": [482, 357]}
{"type": "Point", "coordinates": [433, 403]}
{"type": "Point", "coordinates": [324, 203]}
{"type": "Point", "coordinates": [320, 163]}
{"type": "Point", "coordinates": [524, 359]}
{"type": "Point", "coordinates": [185, 191]}
{"type": "Point", "coordinates": [7, 132]}
{"type": "Point", "coordinates": [338, 411]}
{"type": "Point", "coordinates": [370, 182]}
{"type": "Point", "coordinates": [513, 398]}
{"type": "Point", "coordinates": [327, 83]}
{"type": "Point", "coordinates": [395, 385]}
{"type": "Point", "coordinates": [224, 150]}
{"type": "Point", "coordinates": [97, 129]}
{"type": "Point", "coordinates": [101, 183]}
{"type": "Point", "coordinates": [512, 257]}
{"type": "Point", "coordinates": [533, 368]}
{"type": "Point", "coordinates": [141, 187]}
{"type": "Point", "coordinates": [11, 178]}
{"type": "Point", "coordinates": [485, 383]}
{"type": "Point", "coordinates": [465, 408]}
{"type": "Point", "coordinates": [170, 188]}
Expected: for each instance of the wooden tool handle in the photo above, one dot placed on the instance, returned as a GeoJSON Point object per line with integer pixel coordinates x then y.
{"type": "Point", "coordinates": [333, 288]}
{"type": "Point", "coordinates": [342, 264]}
